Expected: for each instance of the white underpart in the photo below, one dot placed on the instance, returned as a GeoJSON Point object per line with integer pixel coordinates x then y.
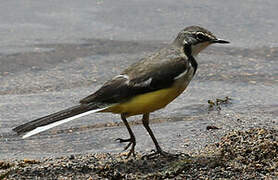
{"type": "Point", "coordinates": [49, 126]}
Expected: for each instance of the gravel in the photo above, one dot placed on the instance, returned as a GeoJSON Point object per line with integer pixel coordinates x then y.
{"type": "Point", "coordinates": [249, 154]}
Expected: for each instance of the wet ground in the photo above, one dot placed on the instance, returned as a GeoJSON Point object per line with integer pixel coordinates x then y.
{"type": "Point", "coordinates": [52, 55]}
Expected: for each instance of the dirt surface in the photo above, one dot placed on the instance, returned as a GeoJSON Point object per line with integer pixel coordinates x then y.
{"type": "Point", "coordinates": [251, 154]}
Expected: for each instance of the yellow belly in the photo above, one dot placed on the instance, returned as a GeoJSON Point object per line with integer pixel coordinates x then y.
{"type": "Point", "coordinates": [147, 102]}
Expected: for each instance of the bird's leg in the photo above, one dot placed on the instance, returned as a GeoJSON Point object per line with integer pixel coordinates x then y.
{"type": "Point", "coordinates": [131, 140]}
{"type": "Point", "coordinates": [158, 151]}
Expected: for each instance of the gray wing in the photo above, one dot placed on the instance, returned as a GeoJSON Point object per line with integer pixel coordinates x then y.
{"type": "Point", "coordinates": [151, 74]}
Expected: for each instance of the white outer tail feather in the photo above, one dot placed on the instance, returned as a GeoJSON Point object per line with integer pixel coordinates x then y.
{"type": "Point", "coordinates": [49, 126]}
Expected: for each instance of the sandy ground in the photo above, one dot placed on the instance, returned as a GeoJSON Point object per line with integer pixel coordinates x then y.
{"type": "Point", "coordinates": [251, 154]}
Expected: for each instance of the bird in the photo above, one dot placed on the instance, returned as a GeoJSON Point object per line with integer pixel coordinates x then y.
{"type": "Point", "coordinates": [144, 87]}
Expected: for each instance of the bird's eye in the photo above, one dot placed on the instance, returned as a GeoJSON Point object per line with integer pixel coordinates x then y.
{"type": "Point", "coordinates": [202, 37]}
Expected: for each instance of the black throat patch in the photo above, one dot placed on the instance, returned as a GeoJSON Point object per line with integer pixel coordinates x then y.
{"type": "Point", "coordinates": [188, 52]}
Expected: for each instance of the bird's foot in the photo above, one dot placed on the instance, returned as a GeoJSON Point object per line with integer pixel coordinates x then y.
{"type": "Point", "coordinates": [132, 143]}
{"type": "Point", "coordinates": [158, 153]}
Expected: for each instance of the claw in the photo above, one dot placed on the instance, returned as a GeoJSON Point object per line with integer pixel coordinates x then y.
{"type": "Point", "coordinates": [131, 152]}
{"type": "Point", "coordinates": [132, 143]}
{"type": "Point", "coordinates": [123, 140]}
{"type": "Point", "coordinates": [158, 153]}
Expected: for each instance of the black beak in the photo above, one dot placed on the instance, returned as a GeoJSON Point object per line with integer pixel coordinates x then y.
{"type": "Point", "coordinates": [220, 41]}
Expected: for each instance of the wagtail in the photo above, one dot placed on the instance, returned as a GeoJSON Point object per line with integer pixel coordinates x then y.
{"type": "Point", "coordinates": [144, 87]}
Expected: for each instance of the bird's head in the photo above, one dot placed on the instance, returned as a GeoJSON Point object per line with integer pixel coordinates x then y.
{"type": "Point", "coordinates": [193, 39]}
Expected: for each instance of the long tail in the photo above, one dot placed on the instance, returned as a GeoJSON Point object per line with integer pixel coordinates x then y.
{"type": "Point", "coordinates": [44, 123]}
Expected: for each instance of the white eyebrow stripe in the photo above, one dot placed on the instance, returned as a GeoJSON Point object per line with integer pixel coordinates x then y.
{"type": "Point", "coordinates": [200, 32]}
